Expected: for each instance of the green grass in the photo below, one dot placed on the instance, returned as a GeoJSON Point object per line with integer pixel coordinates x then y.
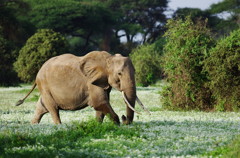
{"type": "Point", "coordinates": [61, 142]}
{"type": "Point", "coordinates": [232, 150]}
{"type": "Point", "coordinates": [162, 134]}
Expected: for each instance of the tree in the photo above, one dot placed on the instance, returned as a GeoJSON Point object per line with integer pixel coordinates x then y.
{"type": "Point", "coordinates": [195, 14]}
{"type": "Point", "coordinates": [86, 20]}
{"type": "Point", "coordinates": [7, 55]}
{"type": "Point", "coordinates": [44, 44]}
{"type": "Point", "coordinates": [14, 31]}
{"type": "Point", "coordinates": [145, 16]}
{"type": "Point", "coordinates": [97, 23]}
{"type": "Point", "coordinates": [223, 17]}
{"type": "Point", "coordinates": [232, 7]}
{"type": "Point", "coordinates": [15, 28]}
{"type": "Point", "coordinates": [216, 24]}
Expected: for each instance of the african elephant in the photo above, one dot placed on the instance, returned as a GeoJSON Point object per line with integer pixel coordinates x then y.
{"type": "Point", "coordinates": [68, 82]}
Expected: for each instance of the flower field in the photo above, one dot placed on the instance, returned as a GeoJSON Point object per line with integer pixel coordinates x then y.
{"type": "Point", "coordinates": [161, 134]}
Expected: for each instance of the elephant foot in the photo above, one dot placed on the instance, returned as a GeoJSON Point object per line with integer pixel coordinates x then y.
{"type": "Point", "coordinates": [125, 120]}
{"type": "Point", "coordinates": [116, 120]}
{"type": "Point", "coordinates": [34, 122]}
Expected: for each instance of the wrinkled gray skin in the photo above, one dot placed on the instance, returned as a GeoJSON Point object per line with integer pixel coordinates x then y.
{"type": "Point", "coordinates": [68, 82]}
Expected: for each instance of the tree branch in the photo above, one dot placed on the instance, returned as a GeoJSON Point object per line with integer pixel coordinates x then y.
{"type": "Point", "coordinates": [84, 37]}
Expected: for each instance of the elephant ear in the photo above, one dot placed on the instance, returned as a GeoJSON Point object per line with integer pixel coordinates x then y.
{"type": "Point", "coordinates": [94, 72]}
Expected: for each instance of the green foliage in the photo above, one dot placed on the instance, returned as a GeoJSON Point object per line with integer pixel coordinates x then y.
{"type": "Point", "coordinates": [223, 67]}
{"type": "Point", "coordinates": [56, 14]}
{"type": "Point", "coordinates": [98, 23]}
{"type": "Point", "coordinates": [146, 61]}
{"type": "Point", "coordinates": [159, 45]}
{"type": "Point", "coordinates": [232, 8]}
{"type": "Point", "coordinates": [86, 20]}
{"type": "Point", "coordinates": [12, 35]}
{"type": "Point", "coordinates": [7, 75]}
{"type": "Point", "coordinates": [216, 24]}
{"type": "Point", "coordinates": [223, 17]}
{"type": "Point", "coordinates": [39, 48]}
{"type": "Point", "coordinates": [70, 16]}
{"type": "Point", "coordinates": [13, 22]}
{"type": "Point", "coordinates": [186, 48]}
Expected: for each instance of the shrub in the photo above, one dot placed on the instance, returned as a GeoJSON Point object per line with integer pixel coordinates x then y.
{"type": "Point", "coordinates": [39, 48]}
{"type": "Point", "coordinates": [159, 45]}
{"type": "Point", "coordinates": [147, 64]}
{"type": "Point", "coordinates": [223, 67]}
{"type": "Point", "coordinates": [7, 75]}
{"type": "Point", "coordinates": [186, 47]}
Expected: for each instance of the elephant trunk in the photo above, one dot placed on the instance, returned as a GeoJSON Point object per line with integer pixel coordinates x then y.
{"type": "Point", "coordinates": [130, 98]}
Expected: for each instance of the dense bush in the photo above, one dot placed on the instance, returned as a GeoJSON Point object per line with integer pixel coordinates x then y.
{"type": "Point", "coordinates": [40, 47]}
{"type": "Point", "coordinates": [146, 61]}
{"type": "Point", "coordinates": [186, 47]}
{"type": "Point", "coordinates": [223, 67]}
{"type": "Point", "coordinates": [7, 75]}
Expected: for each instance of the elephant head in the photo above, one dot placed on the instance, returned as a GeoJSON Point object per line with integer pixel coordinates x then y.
{"type": "Point", "coordinates": [121, 77]}
{"type": "Point", "coordinates": [118, 72]}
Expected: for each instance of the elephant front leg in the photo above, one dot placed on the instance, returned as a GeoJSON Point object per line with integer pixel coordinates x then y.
{"type": "Point", "coordinates": [99, 100]}
{"type": "Point", "coordinates": [106, 109]}
{"type": "Point", "coordinates": [99, 116]}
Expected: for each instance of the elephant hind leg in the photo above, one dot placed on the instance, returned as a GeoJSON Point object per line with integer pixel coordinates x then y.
{"type": "Point", "coordinates": [39, 112]}
{"type": "Point", "coordinates": [52, 107]}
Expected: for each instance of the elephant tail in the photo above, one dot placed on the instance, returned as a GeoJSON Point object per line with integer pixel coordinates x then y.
{"type": "Point", "coordinates": [22, 100]}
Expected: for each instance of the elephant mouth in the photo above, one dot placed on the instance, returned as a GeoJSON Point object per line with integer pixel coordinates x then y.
{"type": "Point", "coordinates": [138, 101]}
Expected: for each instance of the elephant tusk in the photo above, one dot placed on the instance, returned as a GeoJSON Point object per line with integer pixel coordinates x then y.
{"type": "Point", "coordinates": [143, 107]}
{"type": "Point", "coordinates": [128, 104]}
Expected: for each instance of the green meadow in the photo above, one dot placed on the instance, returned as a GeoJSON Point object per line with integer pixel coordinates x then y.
{"type": "Point", "coordinates": [161, 134]}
